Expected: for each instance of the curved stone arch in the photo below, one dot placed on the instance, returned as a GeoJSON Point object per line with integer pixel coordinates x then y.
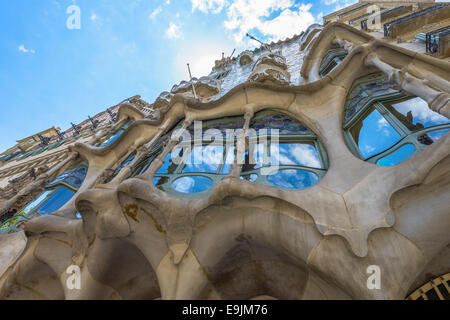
{"type": "Point", "coordinates": [319, 105]}
{"type": "Point", "coordinates": [287, 101]}
{"type": "Point", "coordinates": [309, 35]}
{"type": "Point", "coordinates": [264, 229]}
{"type": "Point", "coordinates": [331, 33]}
{"type": "Point", "coordinates": [127, 110]}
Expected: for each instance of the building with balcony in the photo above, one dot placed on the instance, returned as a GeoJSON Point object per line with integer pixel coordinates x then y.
{"type": "Point", "coordinates": [302, 169]}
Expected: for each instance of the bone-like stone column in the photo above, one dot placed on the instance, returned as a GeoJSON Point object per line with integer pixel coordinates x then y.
{"type": "Point", "coordinates": [39, 182]}
{"type": "Point", "coordinates": [159, 160]}
{"type": "Point", "coordinates": [140, 154]}
{"type": "Point", "coordinates": [116, 126]}
{"type": "Point", "coordinates": [241, 145]}
{"type": "Point", "coordinates": [347, 45]}
{"type": "Point", "coordinates": [437, 101]}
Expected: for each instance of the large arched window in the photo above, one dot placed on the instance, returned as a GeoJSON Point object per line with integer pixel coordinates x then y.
{"type": "Point", "coordinates": [385, 125]}
{"type": "Point", "coordinates": [56, 194]}
{"type": "Point", "coordinates": [280, 152]}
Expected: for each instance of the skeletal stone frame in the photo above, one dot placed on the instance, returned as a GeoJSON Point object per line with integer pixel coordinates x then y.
{"type": "Point", "coordinates": [333, 56]}
{"type": "Point", "coordinates": [408, 137]}
{"type": "Point", "coordinates": [309, 138]}
{"type": "Point", "coordinates": [314, 243]}
{"type": "Point", "coordinates": [11, 224]}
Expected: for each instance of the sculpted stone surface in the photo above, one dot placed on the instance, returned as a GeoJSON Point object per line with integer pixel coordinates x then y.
{"type": "Point", "coordinates": [241, 239]}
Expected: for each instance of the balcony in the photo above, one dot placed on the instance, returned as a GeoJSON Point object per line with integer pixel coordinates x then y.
{"type": "Point", "coordinates": [405, 24]}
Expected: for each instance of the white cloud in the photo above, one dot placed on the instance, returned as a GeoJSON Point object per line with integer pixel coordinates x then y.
{"type": "Point", "coordinates": [205, 6]}
{"type": "Point", "coordinates": [93, 17]}
{"type": "Point", "coordinates": [245, 15]}
{"type": "Point", "coordinates": [340, 4]}
{"type": "Point", "coordinates": [24, 50]}
{"type": "Point", "coordinates": [288, 23]}
{"type": "Point", "coordinates": [167, 2]}
{"type": "Point", "coordinates": [173, 32]}
{"type": "Point", "coordinates": [155, 12]}
{"type": "Point", "coordinates": [185, 184]}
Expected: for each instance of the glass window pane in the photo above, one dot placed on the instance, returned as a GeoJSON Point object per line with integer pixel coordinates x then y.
{"type": "Point", "coordinates": [73, 177]}
{"type": "Point", "coordinates": [204, 159]}
{"type": "Point", "coordinates": [432, 136]}
{"type": "Point", "coordinates": [36, 202]}
{"type": "Point", "coordinates": [124, 163]}
{"type": "Point", "coordinates": [159, 181]}
{"type": "Point", "coordinates": [60, 197]}
{"type": "Point", "coordinates": [373, 134]}
{"type": "Point", "coordinates": [300, 154]}
{"type": "Point", "coordinates": [228, 160]}
{"type": "Point", "coordinates": [397, 156]}
{"type": "Point", "coordinates": [170, 165]}
{"type": "Point", "coordinates": [416, 114]}
{"type": "Point", "coordinates": [254, 157]}
{"type": "Point", "coordinates": [284, 123]}
{"type": "Point", "coordinates": [251, 177]}
{"type": "Point", "coordinates": [293, 179]}
{"type": "Point", "coordinates": [192, 184]}
{"type": "Point", "coordinates": [330, 68]}
{"type": "Point", "coordinates": [112, 138]}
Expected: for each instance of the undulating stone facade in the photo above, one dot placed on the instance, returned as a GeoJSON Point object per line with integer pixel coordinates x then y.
{"type": "Point", "coordinates": [360, 192]}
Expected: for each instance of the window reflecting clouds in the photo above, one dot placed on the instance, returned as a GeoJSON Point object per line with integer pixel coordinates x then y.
{"type": "Point", "coordinates": [192, 184]}
{"type": "Point", "coordinates": [275, 141]}
{"type": "Point", "coordinates": [374, 134]}
{"type": "Point", "coordinates": [293, 179]}
{"type": "Point", "coordinates": [386, 126]}
{"type": "Point", "coordinates": [397, 156]}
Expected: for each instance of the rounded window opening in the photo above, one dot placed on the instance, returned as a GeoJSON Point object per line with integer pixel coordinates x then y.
{"type": "Point", "coordinates": [331, 60]}
{"type": "Point", "coordinates": [385, 125]}
{"type": "Point", "coordinates": [113, 137]}
{"type": "Point", "coordinates": [279, 152]}
{"type": "Point", "coordinates": [56, 194]}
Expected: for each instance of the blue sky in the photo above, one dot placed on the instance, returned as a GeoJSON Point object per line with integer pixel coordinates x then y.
{"type": "Point", "coordinates": [51, 75]}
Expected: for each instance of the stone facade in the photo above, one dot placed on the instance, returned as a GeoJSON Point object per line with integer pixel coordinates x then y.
{"type": "Point", "coordinates": [134, 234]}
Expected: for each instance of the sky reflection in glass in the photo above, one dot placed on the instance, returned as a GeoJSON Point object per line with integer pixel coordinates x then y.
{"type": "Point", "coordinates": [418, 113]}
{"type": "Point", "coordinates": [204, 159]}
{"type": "Point", "coordinates": [168, 166]}
{"type": "Point", "coordinates": [293, 179]}
{"type": "Point", "coordinates": [251, 177]}
{"type": "Point", "coordinates": [36, 202]}
{"type": "Point", "coordinates": [192, 184]}
{"type": "Point", "coordinates": [228, 160]}
{"type": "Point", "coordinates": [60, 197]}
{"type": "Point", "coordinates": [436, 135]}
{"type": "Point", "coordinates": [397, 156]}
{"type": "Point", "coordinates": [374, 135]}
{"type": "Point", "coordinates": [300, 154]}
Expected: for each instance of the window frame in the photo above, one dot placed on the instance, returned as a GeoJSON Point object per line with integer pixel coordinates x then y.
{"type": "Point", "coordinates": [407, 136]}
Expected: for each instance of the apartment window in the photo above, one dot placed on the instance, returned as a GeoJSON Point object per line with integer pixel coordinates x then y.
{"type": "Point", "coordinates": [294, 159]}
{"type": "Point", "coordinates": [386, 126]}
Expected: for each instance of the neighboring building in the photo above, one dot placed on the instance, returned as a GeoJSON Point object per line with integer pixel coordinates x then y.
{"type": "Point", "coordinates": [320, 171]}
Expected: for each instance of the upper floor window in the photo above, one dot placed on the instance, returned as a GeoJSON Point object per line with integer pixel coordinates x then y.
{"type": "Point", "coordinates": [332, 59]}
{"type": "Point", "coordinates": [116, 134]}
{"type": "Point", "coordinates": [384, 125]}
{"type": "Point", "coordinates": [280, 152]}
{"type": "Point", "coordinates": [56, 194]}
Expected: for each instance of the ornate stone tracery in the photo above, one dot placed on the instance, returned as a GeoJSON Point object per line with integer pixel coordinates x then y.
{"type": "Point", "coordinates": [358, 214]}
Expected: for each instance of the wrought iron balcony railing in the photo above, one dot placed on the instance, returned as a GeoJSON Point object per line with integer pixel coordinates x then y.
{"type": "Point", "coordinates": [388, 26]}
{"type": "Point", "coordinates": [381, 15]}
{"type": "Point", "coordinates": [432, 39]}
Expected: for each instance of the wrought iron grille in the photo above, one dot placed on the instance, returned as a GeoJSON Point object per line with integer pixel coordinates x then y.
{"type": "Point", "coordinates": [388, 26]}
